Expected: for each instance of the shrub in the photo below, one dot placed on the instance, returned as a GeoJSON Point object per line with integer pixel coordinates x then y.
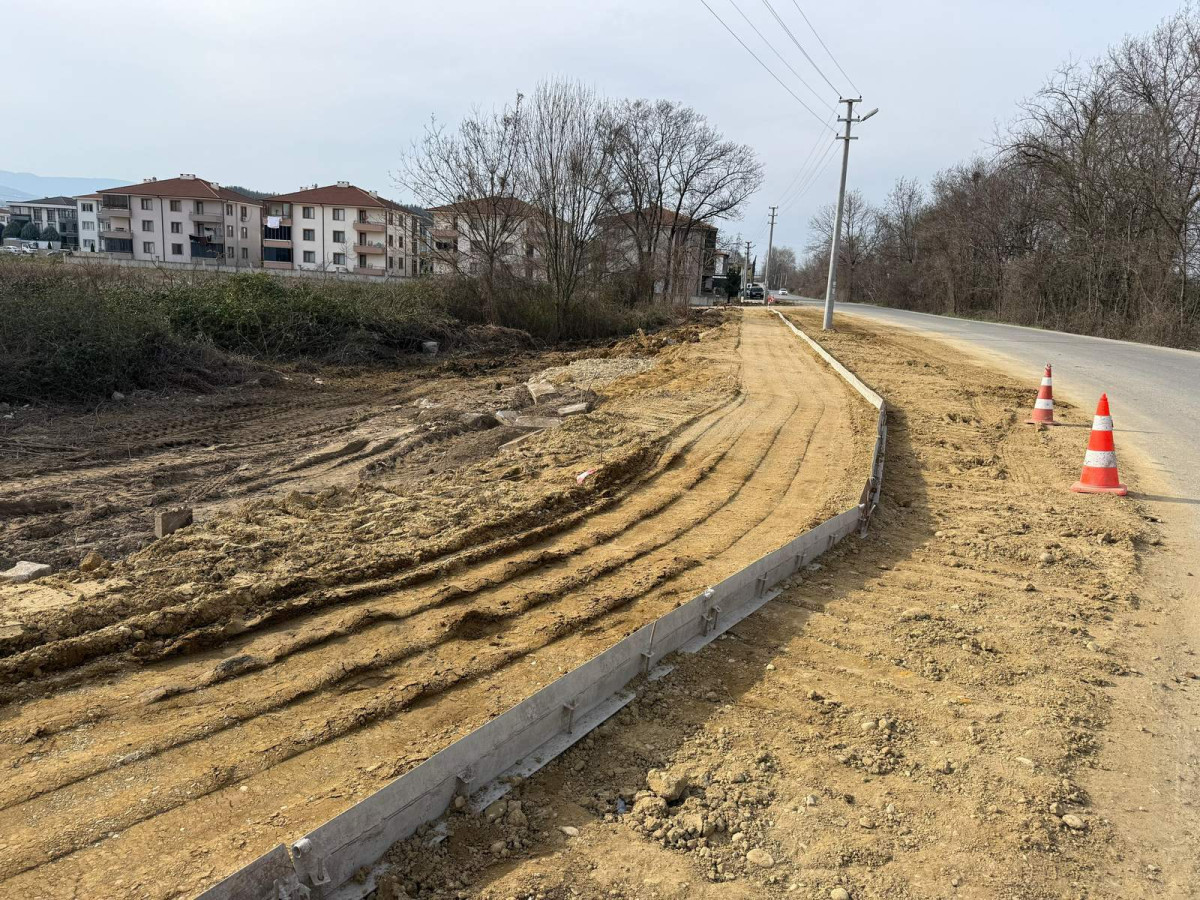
{"type": "Point", "coordinates": [29, 232]}
{"type": "Point", "coordinates": [50, 233]}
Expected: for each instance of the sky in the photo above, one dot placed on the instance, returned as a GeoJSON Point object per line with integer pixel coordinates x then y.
{"type": "Point", "coordinates": [279, 94]}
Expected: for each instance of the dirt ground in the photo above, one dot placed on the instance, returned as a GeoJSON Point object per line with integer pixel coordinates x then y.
{"type": "Point", "coordinates": [987, 697]}
{"type": "Point", "coordinates": [169, 716]}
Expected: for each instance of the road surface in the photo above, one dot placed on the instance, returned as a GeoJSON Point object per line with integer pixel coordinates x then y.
{"type": "Point", "coordinates": [1154, 391]}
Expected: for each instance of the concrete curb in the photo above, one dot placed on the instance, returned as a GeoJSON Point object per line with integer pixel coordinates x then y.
{"type": "Point", "coordinates": [324, 863]}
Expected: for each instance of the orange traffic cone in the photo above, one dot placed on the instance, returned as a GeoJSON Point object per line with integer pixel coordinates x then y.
{"type": "Point", "coordinates": [1100, 462]}
{"type": "Point", "coordinates": [1043, 407]}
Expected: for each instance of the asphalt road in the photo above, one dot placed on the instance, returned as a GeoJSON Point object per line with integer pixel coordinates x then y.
{"type": "Point", "coordinates": [1154, 392]}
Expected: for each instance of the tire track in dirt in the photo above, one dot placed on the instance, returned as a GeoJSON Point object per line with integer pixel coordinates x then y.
{"type": "Point", "coordinates": [470, 653]}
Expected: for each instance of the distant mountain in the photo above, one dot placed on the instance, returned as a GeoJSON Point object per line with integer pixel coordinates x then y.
{"type": "Point", "coordinates": [27, 186]}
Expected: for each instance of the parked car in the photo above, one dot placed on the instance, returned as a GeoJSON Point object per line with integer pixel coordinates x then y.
{"type": "Point", "coordinates": [754, 292]}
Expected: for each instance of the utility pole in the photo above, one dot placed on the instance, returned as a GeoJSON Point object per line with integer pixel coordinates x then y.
{"type": "Point", "coordinates": [748, 272]}
{"type": "Point", "coordinates": [767, 267]}
{"type": "Point", "coordinates": [831, 285]}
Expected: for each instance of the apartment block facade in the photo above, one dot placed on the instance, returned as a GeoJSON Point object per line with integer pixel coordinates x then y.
{"type": "Point", "coordinates": [57, 212]}
{"type": "Point", "coordinates": [463, 232]}
{"type": "Point", "coordinates": [340, 228]}
{"type": "Point", "coordinates": [178, 220]}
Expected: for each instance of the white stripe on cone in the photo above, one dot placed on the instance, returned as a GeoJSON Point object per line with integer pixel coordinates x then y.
{"type": "Point", "coordinates": [1102, 423]}
{"type": "Point", "coordinates": [1100, 459]}
{"type": "Point", "coordinates": [1046, 382]}
{"type": "Point", "coordinates": [1048, 403]}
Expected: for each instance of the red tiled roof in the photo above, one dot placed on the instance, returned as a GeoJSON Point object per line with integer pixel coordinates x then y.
{"type": "Point", "coordinates": [197, 188]}
{"type": "Point", "coordinates": [337, 195]}
{"type": "Point", "coordinates": [486, 205]}
{"type": "Point", "coordinates": [666, 219]}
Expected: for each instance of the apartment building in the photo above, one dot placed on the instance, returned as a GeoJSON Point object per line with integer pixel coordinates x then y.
{"type": "Point", "coordinates": [87, 212]}
{"type": "Point", "coordinates": [685, 249]}
{"type": "Point", "coordinates": [463, 232]}
{"type": "Point", "coordinates": [179, 220]}
{"type": "Point", "coordinates": [5, 215]}
{"type": "Point", "coordinates": [340, 228]}
{"type": "Point", "coordinates": [58, 212]}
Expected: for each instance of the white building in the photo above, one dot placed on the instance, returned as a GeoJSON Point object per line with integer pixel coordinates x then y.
{"type": "Point", "coordinates": [465, 234]}
{"type": "Point", "coordinates": [180, 220]}
{"type": "Point", "coordinates": [88, 215]}
{"type": "Point", "coordinates": [340, 228]}
{"type": "Point", "coordinates": [58, 213]}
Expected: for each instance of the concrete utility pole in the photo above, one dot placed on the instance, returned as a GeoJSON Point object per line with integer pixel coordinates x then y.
{"type": "Point", "coordinates": [747, 271]}
{"type": "Point", "coordinates": [831, 285]}
{"type": "Point", "coordinates": [770, 243]}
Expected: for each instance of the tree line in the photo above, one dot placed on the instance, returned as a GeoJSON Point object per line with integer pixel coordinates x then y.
{"type": "Point", "coordinates": [609, 196]}
{"type": "Point", "coordinates": [1084, 219]}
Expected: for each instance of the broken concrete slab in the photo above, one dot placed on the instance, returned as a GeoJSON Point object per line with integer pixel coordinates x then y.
{"type": "Point", "coordinates": [574, 409]}
{"type": "Point", "coordinates": [507, 417]}
{"type": "Point", "coordinates": [168, 521]}
{"type": "Point", "coordinates": [24, 571]}
{"type": "Point", "coordinates": [540, 389]}
{"type": "Point", "coordinates": [538, 422]}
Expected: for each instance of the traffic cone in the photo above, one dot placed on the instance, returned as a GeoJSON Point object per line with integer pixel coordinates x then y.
{"type": "Point", "coordinates": [1100, 462]}
{"type": "Point", "coordinates": [1043, 407]}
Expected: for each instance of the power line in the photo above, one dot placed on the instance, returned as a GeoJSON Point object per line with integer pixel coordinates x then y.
{"type": "Point", "coordinates": [799, 46]}
{"type": "Point", "coordinates": [827, 50]}
{"type": "Point", "coordinates": [766, 67]}
{"type": "Point", "coordinates": [814, 177]}
{"type": "Point", "coordinates": [799, 77]}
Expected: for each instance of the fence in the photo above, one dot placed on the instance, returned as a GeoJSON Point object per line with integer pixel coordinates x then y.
{"type": "Point", "coordinates": [323, 864]}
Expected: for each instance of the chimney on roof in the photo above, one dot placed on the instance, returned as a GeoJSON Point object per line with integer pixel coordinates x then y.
{"type": "Point", "coordinates": [151, 178]}
{"type": "Point", "coordinates": [373, 193]}
{"type": "Point", "coordinates": [186, 175]}
{"type": "Point", "coordinates": [343, 184]}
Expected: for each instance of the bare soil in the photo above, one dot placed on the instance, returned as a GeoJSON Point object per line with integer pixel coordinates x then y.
{"type": "Point", "coordinates": [171, 715]}
{"type": "Point", "coordinates": [941, 709]}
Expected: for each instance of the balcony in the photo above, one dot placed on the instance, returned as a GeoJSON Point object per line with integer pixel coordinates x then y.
{"type": "Point", "coordinates": [117, 234]}
{"type": "Point", "coordinates": [376, 227]}
{"type": "Point", "coordinates": [284, 221]}
{"type": "Point", "coordinates": [444, 234]}
{"type": "Point", "coordinates": [204, 249]}
{"type": "Point", "coordinates": [276, 242]}
{"type": "Point", "coordinates": [275, 264]}
{"type": "Point", "coordinates": [370, 248]}
{"type": "Point", "coordinates": [110, 211]}
{"type": "Point", "coordinates": [369, 270]}
{"type": "Point", "coordinates": [207, 217]}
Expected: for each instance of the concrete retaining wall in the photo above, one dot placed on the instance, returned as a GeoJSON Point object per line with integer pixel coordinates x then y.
{"type": "Point", "coordinates": [328, 858]}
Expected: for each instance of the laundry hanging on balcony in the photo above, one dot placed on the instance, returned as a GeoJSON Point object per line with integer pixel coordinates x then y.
{"type": "Point", "coordinates": [273, 221]}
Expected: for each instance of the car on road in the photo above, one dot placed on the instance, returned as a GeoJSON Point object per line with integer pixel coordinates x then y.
{"type": "Point", "coordinates": [754, 292]}
{"type": "Point", "coordinates": [782, 292]}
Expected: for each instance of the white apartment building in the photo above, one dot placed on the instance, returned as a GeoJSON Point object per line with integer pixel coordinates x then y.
{"type": "Point", "coordinates": [461, 229]}
{"type": "Point", "coordinates": [88, 215]}
{"type": "Point", "coordinates": [340, 228]}
{"type": "Point", "coordinates": [179, 220]}
{"type": "Point", "coordinates": [57, 212]}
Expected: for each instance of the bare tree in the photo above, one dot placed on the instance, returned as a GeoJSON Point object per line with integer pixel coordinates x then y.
{"type": "Point", "coordinates": [472, 176]}
{"type": "Point", "coordinates": [566, 154]}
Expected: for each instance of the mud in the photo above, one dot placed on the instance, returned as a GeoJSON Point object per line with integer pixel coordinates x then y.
{"type": "Point", "coordinates": [172, 715]}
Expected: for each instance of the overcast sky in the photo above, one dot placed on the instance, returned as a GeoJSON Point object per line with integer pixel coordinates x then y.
{"type": "Point", "coordinates": [276, 94]}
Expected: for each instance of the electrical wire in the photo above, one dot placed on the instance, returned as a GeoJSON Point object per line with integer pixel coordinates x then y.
{"type": "Point", "coordinates": [795, 96]}
{"type": "Point", "coordinates": [799, 46]}
{"type": "Point", "coordinates": [826, 49]}
{"type": "Point", "coordinates": [818, 171]}
{"type": "Point", "coordinates": [799, 77]}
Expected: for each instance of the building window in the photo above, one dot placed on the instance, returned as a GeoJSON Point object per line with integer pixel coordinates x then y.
{"type": "Point", "coordinates": [310, 256]}
{"type": "Point", "coordinates": [400, 242]}
{"type": "Point", "coordinates": [362, 261]}
{"type": "Point", "coordinates": [229, 252]}
{"type": "Point", "coordinates": [339, 259]}
{"type": "Point", "coordinates": [310, 234]}
{"type": "Point", "coordinates": [391, 240]}
{"type": "Point", "coordinates": [339, 215]}
{"type": "Point", "coordinates": [229, 209]}
{"type": "Point", "coordinates": [198, 206]}
{"type": "Point", "coordinates": [88, 226]}
{"type": "Point", "coordinates": [177, 249]}
{"type": "Point", "coordinates": [147, 224]}
{"type": "Point", "coordinates": [339, 237]}
{"type": "Point", "coordinates": [148, 247]}
{"type": "Point", "coordinates": [228, 231]}
{"type": "Point", "coordinates": [391, 262]}
{"type": "Point", "coordinates": [88, 207]}
{"type": "Point", "coordinates": [37, 214]}
{"type": "Point", "coordinates": [307, 212]}
{"type": "Point", "coordinates": [147, 203]}
{"type": "Point", "coordinates": [245, 253]}
{"type": "Point", "coordinates": [176, 228]}
{"type": "Point", "coordinates": [245, 233]}
{"type": "Point", "coordinates": [245, 215]}
{"type": "Point", "coordinates": [176, 206]}
{"type": "Point", "coordinates": [277, 254]}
